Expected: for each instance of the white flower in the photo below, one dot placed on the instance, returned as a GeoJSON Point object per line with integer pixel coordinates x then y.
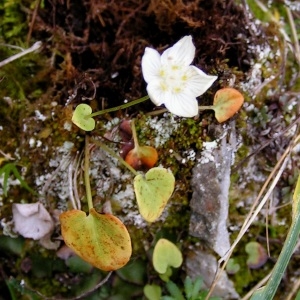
{"type": "Point", "coordinates": [172, 81]}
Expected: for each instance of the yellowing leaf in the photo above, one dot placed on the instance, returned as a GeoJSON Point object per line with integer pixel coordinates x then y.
{"type": "Point", "coordinates": [296, 199]}
{"type": "Point", "coordinates": [227, 102]}
{"type": "Point", "coordinates": [153, 192]}
{"type": "Point", "coordinates": [81, 119]}
{"type": "Point", "coordinates": [166, 254]}
{"type": "Point", "coordinates": [100, 239]}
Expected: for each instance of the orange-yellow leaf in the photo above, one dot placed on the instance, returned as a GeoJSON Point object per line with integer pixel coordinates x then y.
{"type": "Point", "coordinates": [227, 102]}
{"type": "Point", "coordinates": [100, 239]}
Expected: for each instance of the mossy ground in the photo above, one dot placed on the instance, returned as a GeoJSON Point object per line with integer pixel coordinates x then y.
{"type": "Point", "coordinates": [91, 53]}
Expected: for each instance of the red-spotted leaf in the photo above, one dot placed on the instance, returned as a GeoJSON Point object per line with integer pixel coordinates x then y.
{"type": "Point", "coordinates": [227, 102]}
{"type": "Point", "coordinates": [100, 239]}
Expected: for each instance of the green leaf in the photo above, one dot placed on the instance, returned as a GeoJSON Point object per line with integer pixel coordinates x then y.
{"type": "Point", "coordinates": [188, 287]}
{"type": "Point", "coordinates": [257, 255]}
{"type": "Point", "coordinates": [166, 254]}
{"type": "Point", "coordinates": [152, 291]}
{"type": "Point", "coordinates": [12, 245]}
{"type": "Point", "coordinates": [166, 276]}
{"type": "Point", "coordinates": [77, 265]}
{"type": "Point", "coordinates": [134, 272]}
{"type": "Point", "coordinates": [100, 239]}
{"type": "Point", "coordinates": [269, 290]}
{"type": "Point", "coordinates": [174, 290]}
{"type": "Point", "coordinates": [6, 170]}
{"type": "Point", "coordinates": [153, 192]}
{"type": "Point", "coordinates": [232, 266]}
{"type": "Point", "coordinates": [81, 119]}
{"type": "Point", "coordinates": [22, 181]}
{"type": "Point", "coordinates": [196, 287]}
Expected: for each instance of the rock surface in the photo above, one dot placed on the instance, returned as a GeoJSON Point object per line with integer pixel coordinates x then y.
{"type": "Point", "coordinates": [209, 206]}
{"type": "Point", "coordinates": [210, 184]}
{"type": "Point", "coordinates": [198, 263]}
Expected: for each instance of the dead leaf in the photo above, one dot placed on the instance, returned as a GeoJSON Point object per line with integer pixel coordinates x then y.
{"type": "Point", "coordinates": [32, 220]}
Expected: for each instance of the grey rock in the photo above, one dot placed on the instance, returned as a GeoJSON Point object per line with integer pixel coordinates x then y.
{"type": "Point", "coordinates": [210, 184]}
{"type": "Point", "coordinates": [199, 263]}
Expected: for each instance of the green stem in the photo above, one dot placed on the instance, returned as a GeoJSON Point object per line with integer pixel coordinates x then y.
{"type": "Point", "coordinates": [160, 111]}
{"type": "Point", "coordinates": [86, 173]}
{"type": "Point", "coordinates": [131, 103]}
{"type": "Point", "coordinates": [205, 107]}
{"type": "Point", "coordinates": [135, 139]}
{"type": "Point", "coordinates": [156, 112]}
{"type": "Point", "coordinates": [119, 158]}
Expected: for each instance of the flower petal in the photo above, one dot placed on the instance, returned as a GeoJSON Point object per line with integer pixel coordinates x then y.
{"type": "Point", "coordinates": [182, 105]}
{"type": "Point", "coordinates": [182, 53]}
{"type": "Point", "coordinates": [156, 93]}
{"type": "Point", "coordinates": [198, 82]}
{"type": "Point", "coordinates": [150, 64]}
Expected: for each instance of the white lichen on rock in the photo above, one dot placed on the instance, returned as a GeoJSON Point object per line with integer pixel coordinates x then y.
{"type": "Point", "coordinates": [163, 128]}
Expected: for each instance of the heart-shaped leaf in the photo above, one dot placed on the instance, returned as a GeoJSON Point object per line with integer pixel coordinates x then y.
{"type": "Point", "coordinates": [227, 102]}
{"type": "Point", "coordinates": [152, 291]}
{"type": "Point", "coordinates": [257, 255]}
{"type": "Point", "coordinates": [166, 254]}
{"type": "Point", "coordinates": [153, 192]}
{"type": "Point", "coordinates": [81, 119]}
{"type": "Point", "coordinates": [142, 156]}
{"type": "Point", "coordinates": [100, 239]}
{"type": "Point", "coordinates": [232, 266]}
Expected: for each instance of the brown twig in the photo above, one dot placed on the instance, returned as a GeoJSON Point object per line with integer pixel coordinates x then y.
{"type": "Point", "coordinates": [33, 21]}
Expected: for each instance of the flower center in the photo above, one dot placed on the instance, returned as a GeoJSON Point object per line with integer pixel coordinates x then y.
{"type": "Point", "coordinates": [173, 78]}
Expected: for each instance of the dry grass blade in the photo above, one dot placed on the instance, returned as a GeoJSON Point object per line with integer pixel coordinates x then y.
{"type": "Point", "coordinates": [257, 206]}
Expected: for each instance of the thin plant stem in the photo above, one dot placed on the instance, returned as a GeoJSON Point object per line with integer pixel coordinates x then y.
{"type": "Point", "coordinates": [113, 154]}
{"type": "Point", "coordinates": [135, 139]}
{"type": "Point", "coordinates": [104, 111]}
{"type": "Point", "coordinates": [87, 173]}
{"type": "Point", "coordinates": [156, 112]}
{"type": "Point", "coordinates": [205, 107]}
{"type": "Point", "coordinates": [160, 111]}
{"type": "Point", "coordinates": [294, 34]}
